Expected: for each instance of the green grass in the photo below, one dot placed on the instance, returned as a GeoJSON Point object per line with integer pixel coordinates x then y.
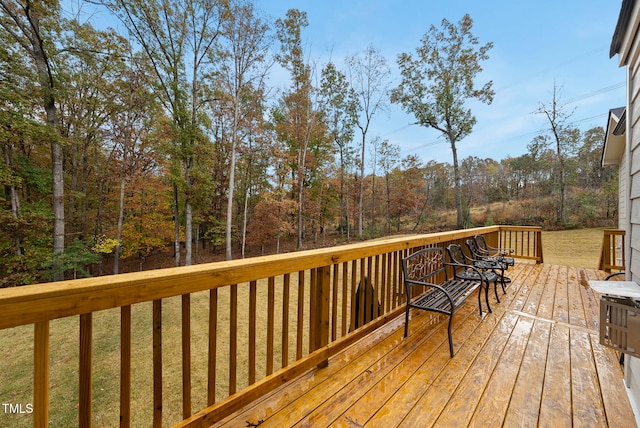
{"type": "Point", "coordinates": [578, 248]}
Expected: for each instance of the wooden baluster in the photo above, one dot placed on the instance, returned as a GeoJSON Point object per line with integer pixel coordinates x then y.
{"type": "Point", "coordinates": [233, 340]}
{"type": "Point", "coordinates": [286, 285]}
{"type": "Point", "coordinates": [41, 375]}
{"type": "Point", "coordinates": [393, 260]}
{"type": "Point", "coordinates": [270, 323]}
{"type": "Point", "coordinates": [157, 363]}
{"type": "Point", "coordinates": [334, 304]}
{"type": "Point", "coordinates": [386, 263]}
{"type": "Point", "coordinates": [84, 390]}
{"type": "Point", "coordinates": [313, 273]}
{"type": "Point", "coordinates": [213, 343]}
{"type": "Point", "coordinates": [300, 326]}
{"type": "Point", "coordinates": [253, 291]}
{"type": "Point", "coordinates": [321, 300]}
{"type": "Point", "coordinates": [345, 300]}
{"type": "Point", "coordinates": [354, 280]}
{"type": "Point", "coordinates": [376, 287]}
{"type": "Point", "coordinates": [361, 300]}
{"type": "Point", "coordinates": [186, 356]}
{"type": "Point", "coordinates": [125, 366]}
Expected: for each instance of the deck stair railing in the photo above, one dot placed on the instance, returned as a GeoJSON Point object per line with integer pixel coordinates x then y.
{"type": "Point", "coordinates": [612, 255]}
{"type": "Point", "coordinates": [229, 331]}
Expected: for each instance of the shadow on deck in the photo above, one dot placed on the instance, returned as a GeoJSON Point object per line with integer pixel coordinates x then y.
{"type": "Point", "coordinates": [535, 361]}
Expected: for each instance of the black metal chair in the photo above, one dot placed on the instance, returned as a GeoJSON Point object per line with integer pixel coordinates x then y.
{"type": "Point", "coordinates": [496, 264]}
{"type": "Point", "coordinates": [465, 268]}
{"type": "Point", "coordinates": [488, 250]}
{"type": "Point", "coordinates": [612, 275]}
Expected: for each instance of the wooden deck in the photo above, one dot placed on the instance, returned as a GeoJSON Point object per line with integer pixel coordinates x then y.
{"type": "Point", "coordinates": [534, 361]}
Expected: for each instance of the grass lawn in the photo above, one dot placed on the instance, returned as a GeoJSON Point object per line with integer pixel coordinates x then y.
{"type": "Point", "coordinates": [578, 248]}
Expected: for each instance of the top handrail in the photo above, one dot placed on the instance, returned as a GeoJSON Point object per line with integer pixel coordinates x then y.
{"type": "Point", "coordinates": [41, 302]}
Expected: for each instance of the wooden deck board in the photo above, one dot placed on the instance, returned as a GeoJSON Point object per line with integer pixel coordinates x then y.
{"type": "Point", "coordinates": [561, 303]}
{"type": "Point", "coordinates": [427, 409]}
{"type": "Point", "coordinates": [555, 408]}
{"type": "Point", "coordinates": [524, 407]}
{"type": "Point", "coordinates": [547, 292]}
{"type": "Point", "coordinates": [423, 366]}
{"type": "Point", "coordinates": [577, 312]}
{"type": "Point", "coordinates": [431, 377]}
{"type": "Point", "coordinates": [495, 400]}
{"type": "Point", "coordinates": [534, 361]}
{"type": "Point", "coordinates": [385, 367]}
{"type": "Point", "coordinates": [588, 409]}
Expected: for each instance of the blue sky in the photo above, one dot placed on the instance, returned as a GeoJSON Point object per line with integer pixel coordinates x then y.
{"type": "Point", "coordinates": [536, 43]}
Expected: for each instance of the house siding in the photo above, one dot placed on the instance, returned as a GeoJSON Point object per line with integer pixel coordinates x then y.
{"type": "Point", "coordinates": [623, 170]}
{"type": "Point", "coordinates": [630, 176]}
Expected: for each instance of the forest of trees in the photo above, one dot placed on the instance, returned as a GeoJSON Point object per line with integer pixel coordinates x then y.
{"type": "Point", "coordinates": [168, 137]}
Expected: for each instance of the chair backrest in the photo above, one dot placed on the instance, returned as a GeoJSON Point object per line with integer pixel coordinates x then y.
{"type": "Point", "coordinates": [423, 266]}
{"type": "Point", "coordinates": [455, 254]}
{"type": "Point", "coordinates": [480, 242]}
{"type": "Point", "coordinates": [473, 248]}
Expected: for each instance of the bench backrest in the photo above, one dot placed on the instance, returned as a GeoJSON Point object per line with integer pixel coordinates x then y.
{"type": "Point", "coordinates": [424, 266]}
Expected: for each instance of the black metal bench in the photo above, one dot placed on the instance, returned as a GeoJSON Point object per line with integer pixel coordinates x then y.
{"type": "Point", "coordinates": [426, 270]}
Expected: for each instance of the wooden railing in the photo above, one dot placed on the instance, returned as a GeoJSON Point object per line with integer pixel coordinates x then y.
{"type": "Point", "coordinates": [243, 327]}
{"type": "Point", "coordinates": [612, 254]}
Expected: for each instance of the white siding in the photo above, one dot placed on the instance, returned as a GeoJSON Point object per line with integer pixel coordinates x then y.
{"type": "Point", "coordinates": [633, 178]}
{"type": "Point", "coordinates": [622, 192]}
{"type": "Point", "coordinates": [630, 176]}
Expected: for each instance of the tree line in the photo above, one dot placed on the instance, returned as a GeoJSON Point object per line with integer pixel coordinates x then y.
{"type": "Point", "coordinates": [170, 133]}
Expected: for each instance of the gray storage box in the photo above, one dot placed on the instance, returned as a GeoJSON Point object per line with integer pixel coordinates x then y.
{"type": "Point", "coordinates": [620, 324]}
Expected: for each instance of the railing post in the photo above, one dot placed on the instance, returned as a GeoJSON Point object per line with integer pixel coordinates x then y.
{"type": "Point", "coordinates": [539, 254]}
{"type": "Point", "coordinates": [493, 238]}
{"type": "Point", "coordinates": [320, 322]}
{"type": "Point", "coordinates": [41, 375]}
{"type": "Point", "coordinates": [84, 390]}
{"type": "Point", "coordinates": [605, 257]}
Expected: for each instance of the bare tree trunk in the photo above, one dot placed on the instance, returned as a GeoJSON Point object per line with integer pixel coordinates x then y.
{"type": "Point", "coordinates": [116, 256]}
{"type": "Point", "coordinates": [15, 200]}
{"type": "Point", "coordinates": [373, 202]}
{"type": "Point", "coordinates": [232, 175]}
{"type": "Point", "coordinates": [300, 204]}
{"type": "Point", "coordinates": [458, 187]}
{"type": "Point", "coordinates": [85, 179]}
{"type": "Point", "coordinates": [27, 20]}
{"type": "Point", "coordinates": [197, 244]}
{"type": "Point", "coordinates": [388, 205]}
{"type": "Point", "coordinates": [361, 196]}
{"type": "Point", "coordinates": [188, 232]}
{"type": "Point", "coordinates": [348, 213]}
{"type": "Point", "coordinates": [176, 224]}
{"type": "Point", "coordinates": [341, 209]}
{"type": "Point", "coordinates": [244, 219]}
